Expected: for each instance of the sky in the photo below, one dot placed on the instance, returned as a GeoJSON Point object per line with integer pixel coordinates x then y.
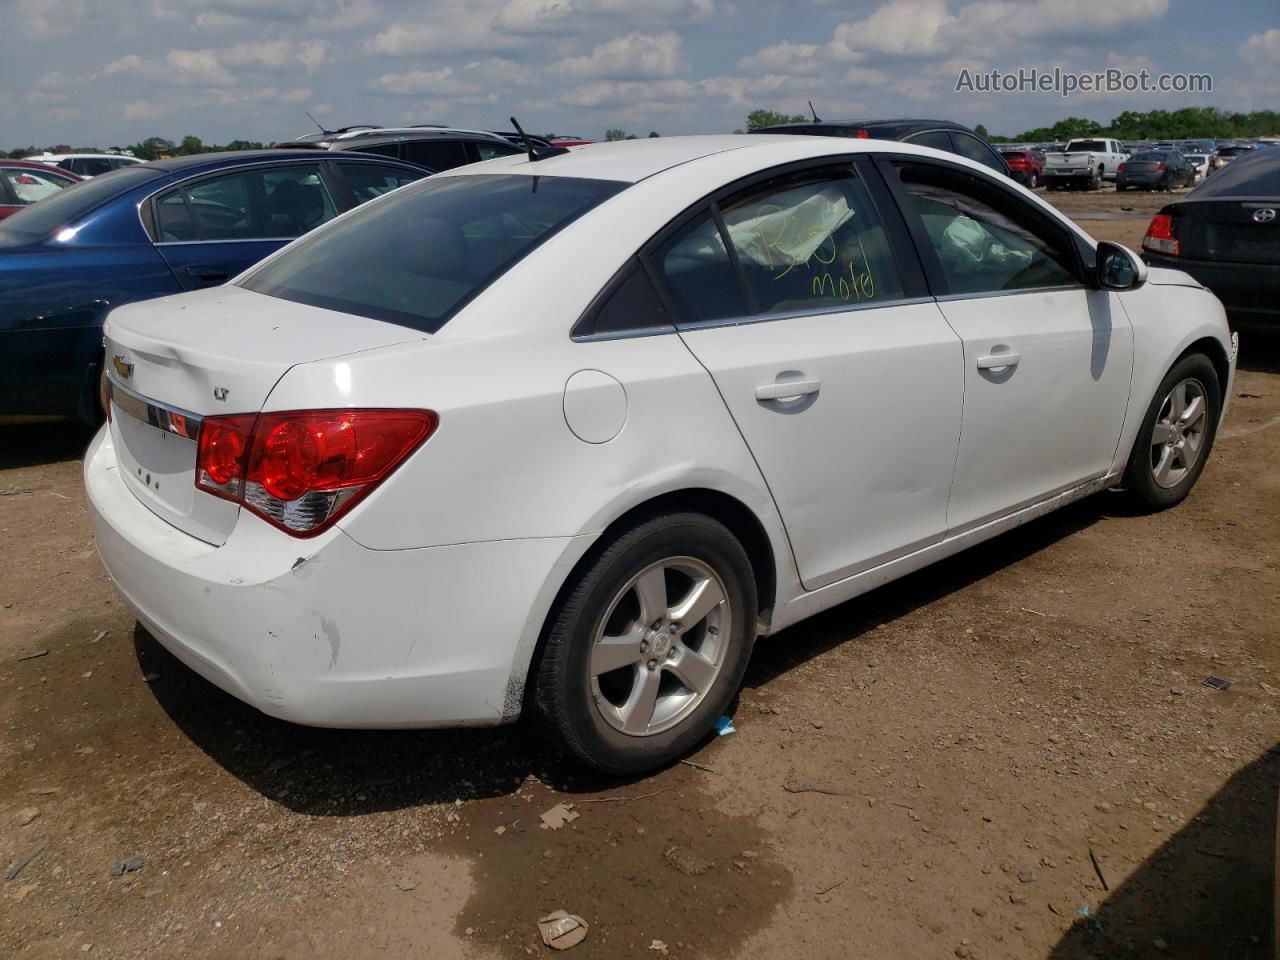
{"type": "Point", "coordinates": [91, 72]}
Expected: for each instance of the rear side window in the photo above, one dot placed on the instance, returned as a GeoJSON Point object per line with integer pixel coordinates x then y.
{"type": "Point", "coordinates": [938, 139]}
{"type": "Point", "coordinates": [812, 242]}
{"type": "Point", "coordinates": [975, 149]}
{"type": "Point", "coordinates": [986, 239]}
{"type": "Point", "coordinates": [369, 180]}
{"type": "Point", "coordinates": [92, 166]}
{"type": "Point", "coordinates": [256, 204]}
{"type": "Point", "coordinates": [436, 154]}
{"type": "Point", "coordinates": [419, 256]}
{"type": "Point", "coordinates": [487, 151]}
{"type": "Point", "coordinates": [699, 275]}
{"type": "Point", "coordinates": [632, 305]}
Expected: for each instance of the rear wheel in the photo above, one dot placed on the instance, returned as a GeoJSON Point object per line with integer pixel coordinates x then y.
{"type": "Point", "coordinates": [1095, 179]}
{"type": "Point", "coordinates": [1176, 435]}
{"type": "Point", "coordinates": [648, 648]}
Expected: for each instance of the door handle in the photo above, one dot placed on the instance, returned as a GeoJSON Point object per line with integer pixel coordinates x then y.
{"type": "Point", "coordinates": [998, 361]}
{"type": "Point", "coordinates": [787, 389]}
{"type": "Point", "coordinates": [207, 274]}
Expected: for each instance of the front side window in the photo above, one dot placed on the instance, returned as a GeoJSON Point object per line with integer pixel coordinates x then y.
{"type": "Point", "coordinates": [259, 203]}
{"type": "Point", "coordinates": [369, 180]}
{"type": "Point", "coordinates": [487, 151]}
{"type": "Point", "coordinates": [419, 256]}
{"type": "Point", "coordinates": [28, 186]}
{"type": "Point", "coordinates": [986, 239]}
{"type": "Point", "coordinates": [814, 241]}
{"type": "Point", "coordinates": [938, 139]}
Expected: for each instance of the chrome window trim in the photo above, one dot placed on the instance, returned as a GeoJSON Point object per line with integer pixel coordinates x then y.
{"type": "Point", "coordinates": [988, 294]}
{"type": "Point", "coordinates": [171, 419]}
{"type": "Point", "coordinates": [199, 243]}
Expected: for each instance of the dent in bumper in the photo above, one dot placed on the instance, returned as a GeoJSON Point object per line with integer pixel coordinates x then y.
{"type": "Point", "coordinates": [327, 632]}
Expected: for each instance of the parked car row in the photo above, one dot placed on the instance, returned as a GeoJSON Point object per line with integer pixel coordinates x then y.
{"type": "Point", "coordinates": [149, 230]}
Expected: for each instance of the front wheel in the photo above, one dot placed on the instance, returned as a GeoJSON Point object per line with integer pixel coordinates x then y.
{"type": "Point", "coordinates": [647, 648]}
{"type": "Point", "coordinates": [1176, 435]}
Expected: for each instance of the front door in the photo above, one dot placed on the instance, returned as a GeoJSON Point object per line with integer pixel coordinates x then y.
{"type": "Point", "coordinates": [846, 386]}
{"type": "Point", "coordinates": [1047, 360]}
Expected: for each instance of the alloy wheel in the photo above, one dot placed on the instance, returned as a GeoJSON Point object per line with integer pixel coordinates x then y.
{"type": "Point", "coordinates": [1178, 436]}
{"type": "Point", "coordinates": [660, 646]}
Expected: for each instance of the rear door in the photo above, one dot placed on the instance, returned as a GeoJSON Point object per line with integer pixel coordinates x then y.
{"type": "Point", "coordinates": [210, 228]}
{"type": "Point", "coordinates": [1047, 360]}
{"type": "Point", "coordinates": [805, 303]}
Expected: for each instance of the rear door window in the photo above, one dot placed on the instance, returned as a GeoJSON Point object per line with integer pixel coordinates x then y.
{"type": "Point", "coordinates": [259, 203]}
{"type": "Point", "coordinates": [484, 150]}
{"type": "Point", "coordinates": [938, 139]}
{"type": "Point", "coordinates": [812, 241]}
{"type": "Point", "coordinates": [975, 149]}
{"type": "Point", "coordinates": [369, 180]}
{"type": "Point", "coordinates": [699, 276]}
{"type": "Point", "coordinates": [436, 154]}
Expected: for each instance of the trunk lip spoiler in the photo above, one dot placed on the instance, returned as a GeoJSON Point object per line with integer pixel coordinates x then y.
{"type": "Point", "coordinates": [164, 416]}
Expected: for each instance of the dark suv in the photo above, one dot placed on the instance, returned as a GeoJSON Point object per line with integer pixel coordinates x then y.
{"type": "Point", "coordinates": [441, 148]}
{"type": "Point", "coordinates": [939, 134]}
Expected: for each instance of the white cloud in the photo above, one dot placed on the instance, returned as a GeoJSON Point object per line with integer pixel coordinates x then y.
{"type": "Point", "coordinates": [199, 66]}
{"type": "Point", "coordinates": [46, 18]}
{"type": "Point", "coordinates": [126, 64]}
{"type": "Point", "coordinates": [1262, 49]}
{"type": "Point", "coordinates": [631, 57]}
{"type": "Point", "coordinates": [899, 28]}
{"type": "Point", "coordinates": [142, 110]}
{"type": "Point", "coordinates": [784, 58]}
{"type": "Point", "coordinates": [577, 16]}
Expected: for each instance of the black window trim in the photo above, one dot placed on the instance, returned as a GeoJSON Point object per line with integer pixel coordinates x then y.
{"type": "Point", "coordinates": [906, 256]}
{"type": "Point", "coordinates": [146, 206]}
{"type": "Point", "coordinates": [937, 281]}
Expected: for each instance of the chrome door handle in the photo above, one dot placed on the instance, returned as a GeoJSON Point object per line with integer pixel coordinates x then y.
{"type": "Point", "coordinates": [997, 361]}
{"type": "Point", "coordinates": [787, 389]}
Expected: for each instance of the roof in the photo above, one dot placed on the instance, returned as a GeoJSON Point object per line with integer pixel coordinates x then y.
{"type": "Point", "coordinates": [174, 164]}
{"type": "Point", "coordinates": [77, 156]}
{"type": "Point", "coordinates": [365, 137]}
{"type": "Point", "coordinates": [37, 165]}
{"type": "Point", "coordinates": [630, 161]}
{"type": "Point", "coordinates": [920, 122]}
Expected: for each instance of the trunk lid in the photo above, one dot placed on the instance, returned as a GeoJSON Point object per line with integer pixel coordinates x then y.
{"type": "Point", "coordinates": [1225, 231]}
{"type": "Point", "coordinates": [175, 360]}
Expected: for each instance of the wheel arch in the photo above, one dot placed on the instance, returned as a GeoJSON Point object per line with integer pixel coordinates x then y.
{"type": "Point", "coordinates": [1212, 348]}
{"type": "Point", "coordinates": [736, 516]}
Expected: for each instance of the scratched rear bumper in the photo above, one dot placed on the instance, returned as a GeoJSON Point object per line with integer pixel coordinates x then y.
{"type": "Point", "coordinates": [325, 632]}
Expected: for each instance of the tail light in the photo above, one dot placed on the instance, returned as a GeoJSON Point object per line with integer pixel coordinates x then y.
{"type": "Point", "coordinates": [862, 134]}
{"type": "Point", "coordinates": [303, 469]}
{"type": "Point", "coordinates": [1159, 168]}
{"type": "Point", "coordinates": [1120, 169]}
{"type": "Point", "coordinates": [1160, 236]}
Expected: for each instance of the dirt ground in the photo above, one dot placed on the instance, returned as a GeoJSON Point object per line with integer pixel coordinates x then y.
{"type": "Point", "coordinates": [1010, 755]}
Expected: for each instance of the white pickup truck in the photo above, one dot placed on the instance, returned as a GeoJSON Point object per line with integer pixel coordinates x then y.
{"type": "Point", "coordinates": [1086, 161]}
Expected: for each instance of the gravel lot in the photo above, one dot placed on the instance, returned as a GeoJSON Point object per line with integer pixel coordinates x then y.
{"type": "Point", "coordinates": [1011, 755]}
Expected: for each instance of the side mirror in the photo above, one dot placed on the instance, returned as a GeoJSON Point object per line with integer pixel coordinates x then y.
{"type": "Point", "coordinates": [1119, 268]}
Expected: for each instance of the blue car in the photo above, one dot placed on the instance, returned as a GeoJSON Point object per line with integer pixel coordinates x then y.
{"type": "Point", "coordinates": [146, 231]}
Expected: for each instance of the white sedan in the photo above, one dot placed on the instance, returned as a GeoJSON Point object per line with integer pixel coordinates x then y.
{"type": "Point", "coordinates": [567, 434]}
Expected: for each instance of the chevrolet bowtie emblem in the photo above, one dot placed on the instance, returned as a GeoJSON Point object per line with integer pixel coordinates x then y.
{"type": "Point", "coordinates": [123, 366]}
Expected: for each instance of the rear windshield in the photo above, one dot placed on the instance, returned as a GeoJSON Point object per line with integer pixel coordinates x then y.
{"type": "Point", "coordinates": [1086, 146]}
{"type": "Point", "coordinates": [418, 256]}
{"type": "Point", "coordinates": [1233, 151]}
{"type": "Point", "coordinates": [1152, 156]}
{"type": "Point", "coordinates": [1014, 154]}
{"type": "Point", "coordinates": [1252, 176]}
{"type": "Point", "coordinates": [43, 219]}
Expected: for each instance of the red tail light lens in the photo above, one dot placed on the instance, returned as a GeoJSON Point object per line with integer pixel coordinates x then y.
{"type": "Point", "coordinates": [1159, 168]}
{"type": "Point", "coordinates": [303, 469]}
{"type": "Point", "coordinates": [862, 135]}
{"type": "Point", "coordinates": [1160, 236]}
{"type": "Point", "coordinates": [1120, 168]}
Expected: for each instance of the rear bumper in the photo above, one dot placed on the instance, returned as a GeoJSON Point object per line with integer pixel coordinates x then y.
{"type": "Point", "coordinates": [1055, 176]}
{"type": "Point", "coordinates": [326, 632]}
{"type": "Point", "coordinates": [1243, 288]}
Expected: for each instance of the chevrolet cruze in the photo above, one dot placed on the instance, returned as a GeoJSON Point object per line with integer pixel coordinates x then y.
{"type": "Point", "coordinates": [566, 433]}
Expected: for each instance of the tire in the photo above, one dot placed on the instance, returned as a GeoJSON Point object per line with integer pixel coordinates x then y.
{"type": "Point", "coordinates": [595, 710]}
{"type": "Point", "coordinates": [1095, 180]}
{"type": "Point", "coordinates": [1148, 483]}
{"type": "Point", "coordinates": [1033, 182]}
